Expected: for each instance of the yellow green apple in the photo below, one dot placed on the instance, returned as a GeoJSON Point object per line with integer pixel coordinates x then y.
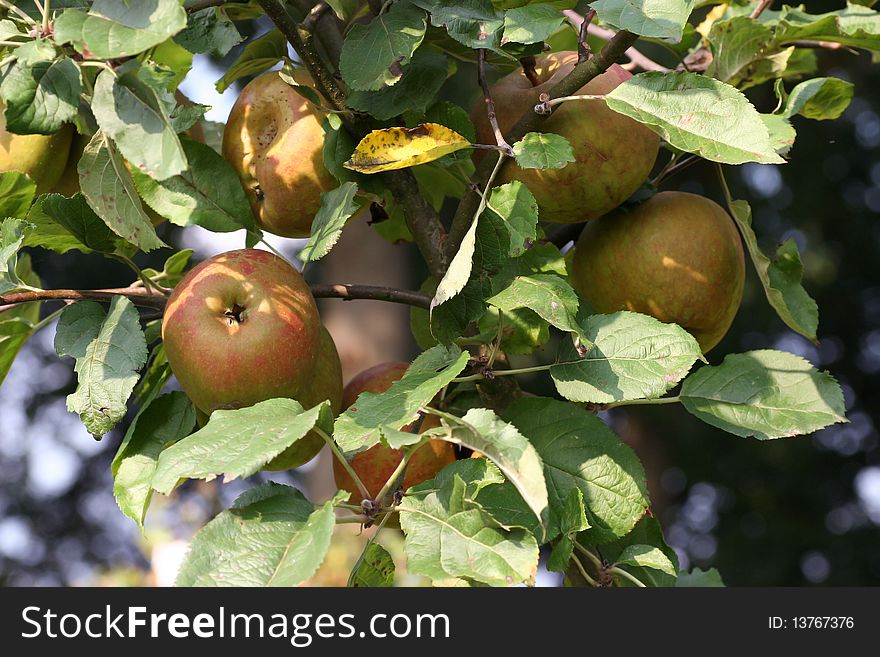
{"type": "Point", "coordinates": [613, 153]}
{"type": "Point", "coordinates": [677, 257]}
{"type": "Point", "coordinates": [42, 157]}
{"type": "Point", "coordinates": [274, 141]}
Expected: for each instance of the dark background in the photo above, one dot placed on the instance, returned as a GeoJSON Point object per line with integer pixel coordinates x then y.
{"type": "Point", "coordinates": [788, 512]}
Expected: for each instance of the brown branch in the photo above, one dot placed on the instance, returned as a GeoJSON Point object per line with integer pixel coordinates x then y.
{"type": "Point", "coordinates": [143, 297]}
{"type": "Point", "coordinates": [138, 295]}
{"type": "Point", "coordinates": [300, 39]}
{"type": "Point", "coordinates": [762, 5]}
{"type": "Point", "coordinates": [421, 219]}
{"type": "Point", "coordinates": [530, 122]}
{"type": "Point", "coordinates": [635, 57]}
{"type": "Point", "coordinates": [351, 292]}
{"type": "Point", "coordinates": [584, 50]}
{"type": "Point", "coordinates": [528, 64]}
{"type": "Point", "coordinates": [490, 104]}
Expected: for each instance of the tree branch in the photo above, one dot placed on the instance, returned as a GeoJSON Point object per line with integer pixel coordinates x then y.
{"type": "Point", "coordinates": [530, 122]}
{"type": "Point", "coordinates": [143, 297]}
{"type": "Point", "coordinates": [351, 292]}
{"type": "Point", "coordinates": [762, 5]}
{"type": "Point", "coordinates": [138, 295]}
{"type": "Point", "coordinates": [300, 39]}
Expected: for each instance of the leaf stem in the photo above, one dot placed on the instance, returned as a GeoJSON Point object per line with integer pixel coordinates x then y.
{"type": "Point", "coordinates": [589, 554]}
{"type": "Point", "coordinates": [632, 578]}
{"type": "Point", "coordinates": [344, 462]}
{"type": "Point", "coordinates": [397, 476]}
{"type": "Point", "coordinates": [577, 562]}
{"type": "Point", "coordinates": [48, 319]}
{"type": "Point", "coordinates": [490, 104]}
{"type": "Point", "coordinates": [514, 372]}
{"type": "Point", "coordinates": [23, 16]}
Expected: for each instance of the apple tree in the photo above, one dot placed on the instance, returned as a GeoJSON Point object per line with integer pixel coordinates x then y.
{"type": "Point", "coordinates": [527, 149]}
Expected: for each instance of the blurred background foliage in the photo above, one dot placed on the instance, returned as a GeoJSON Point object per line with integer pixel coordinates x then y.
{"type": "Point", "coordinates": [795, 512]}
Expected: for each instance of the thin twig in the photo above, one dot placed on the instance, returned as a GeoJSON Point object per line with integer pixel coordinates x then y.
{"type": "Point", "coordinates": [397, 476]}
{"type": "Point", "coordinates": [645, 402]}
{"type": "Point", "coordinates": [673, 167]}
{"type": "Point", "coordinates": [762, 5]}
{"type": "Point", "coordinates": [584, 50]}
{"type": "Point", "coordinates": [490, 104]}
{"type": "Point", "coordinates": [11, 7]}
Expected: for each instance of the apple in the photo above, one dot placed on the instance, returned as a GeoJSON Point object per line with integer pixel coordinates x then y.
{"type": "Point", "coordinates": [42, 157]}
{"type": "Point", "coordinates": [376, 464]}
{"type": "Point", "coordinates": [677, 257]}
{"type": "Point", "coordinates": [326, 384]}
{"type": "Point", "coordinates": [240, 328]}
{"type": "Point", "coordinates": [274, 141]}
{"type": "Point", "coordinates": [613, 153]}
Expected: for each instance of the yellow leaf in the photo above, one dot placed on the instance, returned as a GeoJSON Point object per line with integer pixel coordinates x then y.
{"type": "Point", "coordinates": [712, 17]}
{"type": "Point", "coordinates": [399, 148]}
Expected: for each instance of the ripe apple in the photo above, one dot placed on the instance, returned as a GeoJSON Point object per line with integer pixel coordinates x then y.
{"type": "Point", "coordinates": [42, 157]}
{"type": "Point", "coordinates": [376, 464]}
{"type": "Point", "coordinates": [275, 142]}
{"type": "Point", "coordinates": [677, 257]}
{"type": "Point", "coordinates": [326, 384]}
{"type": "Point", "coordinates": [240, 328]}
{"type": "Point", "coordinates": [613, 153]}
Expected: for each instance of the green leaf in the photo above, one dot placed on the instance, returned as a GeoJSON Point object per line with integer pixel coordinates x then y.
{"type": "Point", "coordinates": [17, 192]}
{"type": "Point", "coordinates": [579, 451]}
{"type": "Point", "coordinates": [109, 349]}
{"type": "Point", "coordinates": [238, 443]}
{"type": "Point", "coordinates": [273, 529]}
{"type": "Point", "coordinates": [76, 226]}
{"type": "Point", "coordinates": [159, 423]}
{"type": "Point", "coordinates": [459, 271]}
{"type": "Point", "coordinates": [699, 578]}
{"type": "Point", "coordinates": [646, 533]}
{"type": "Point", "coordinates": [112, 29]}
{"type": "Point", "coordinates": [374, 55]}
{"type": "Point", "coordinates": [632, 356]}
{"type": "Point", "coordinates": [41, 91]}
{"type": "Point", "coordinates": [737, 44]}
{"type": "Point", "coordinates": [646, 556]}
{"type": "Point", "coordinates": [12, 234]}
{"type": "Point", "coordinates": [781, 279]}
{"type": "Point", "coordinates": [173, 270]}
{"type": "Point", "coordinates": [548, 295]}
{"type": "Point", "coordinates": [448, 535]}
{"type": "Point", "coordinates": [662, 19]}
{"type": "Point", "coordinates": [109, 190]}
{"type": "Point", "coordinates": [766, 394]}
{"type": "Point", "coordinates": [8, 29]}
{"type": "Point", "coordinates": [697, 114]}
{"type": "Point", "coordinates": [130, 112]}
{"type": "Point", "coordinates": [854, 26]}
{"type": "Point", "coordinates": [483, 431]}
{"type": "Point", "coordinates": [782, 132]}
{"type": "Point", "coordinates": [531, 23]}
{"type": "Point", "coordinates": [473, 23]}
{"type": "Point", "coordinates": [209, 31]}
{"type": "Point", "coordinates": [206, 194]}
{"type": "Point", "coordinates": [819, 99]}
{"type": "Point", "coordinates": [374, 569]}
{"type": "Point", "coordinates": [257, 56]}
{"type": "Point", "coordinates": [13, 334]}
{"type": "Point", "coordinates": [516, 206]}
{"type": "Point", "coordinates": [416, 89]}
{"type": "Point", "coordinates": [543, 150]}
{"type": "Point", "coordinates": [337, 206]}
{"type": "Point", "coordinates": [359, 427]}
{"type": "Point", "coordinates": [452, 116]}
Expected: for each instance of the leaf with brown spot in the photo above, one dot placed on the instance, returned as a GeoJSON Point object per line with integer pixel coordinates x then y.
{"type": "Point", "coordinates": [398, 148]}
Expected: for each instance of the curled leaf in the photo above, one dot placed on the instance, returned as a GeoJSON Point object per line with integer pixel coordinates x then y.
{"type": "Point", "coordinates": [398, 148]}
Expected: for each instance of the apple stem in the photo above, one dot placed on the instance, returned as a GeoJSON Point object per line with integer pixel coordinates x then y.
{"type": "Point", "coordinates": [584, 50]}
